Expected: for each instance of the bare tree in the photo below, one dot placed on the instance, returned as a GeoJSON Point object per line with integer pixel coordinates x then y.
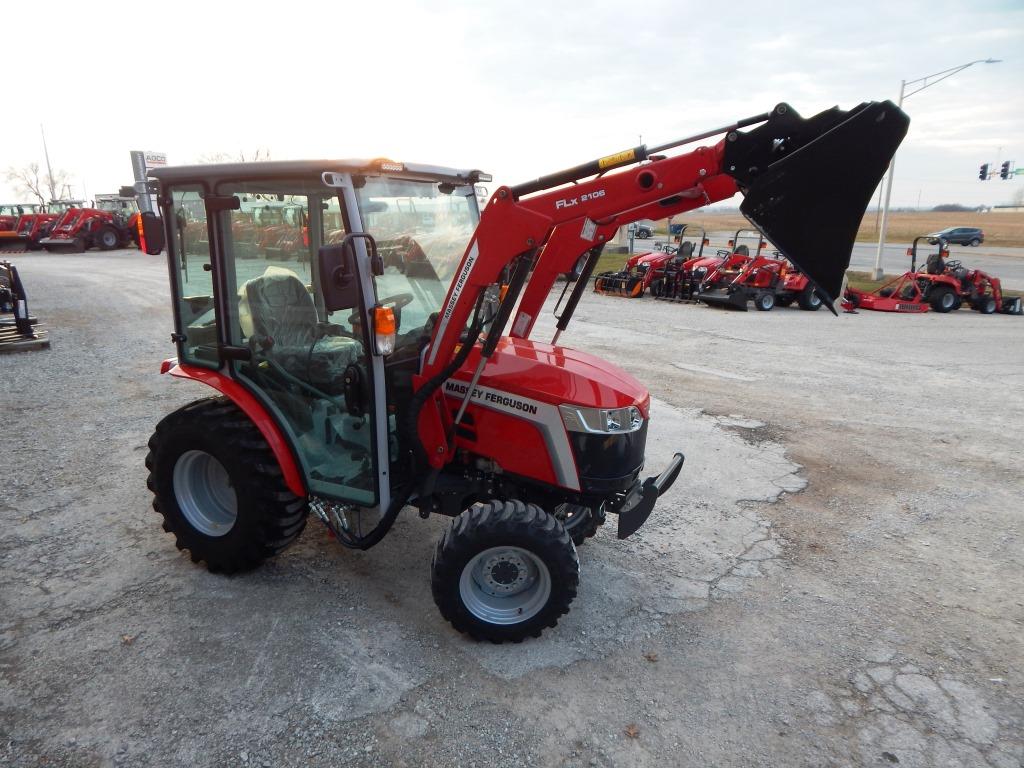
{"type": "Point", "coordinates": [238, 157]}
{"type": "Point", "coordinates": [1018, 197]}
{"type": "Point", "coordinates": [30, 181]}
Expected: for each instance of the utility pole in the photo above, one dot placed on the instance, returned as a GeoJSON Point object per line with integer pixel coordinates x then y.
{"type": "Point", "coordinates": [46, 152]}
{"type": "Point", "coordinates": [919, 85]}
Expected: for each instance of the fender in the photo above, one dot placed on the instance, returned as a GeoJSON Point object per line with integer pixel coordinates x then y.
{"type": "Point", "coordinates": [252, 408]}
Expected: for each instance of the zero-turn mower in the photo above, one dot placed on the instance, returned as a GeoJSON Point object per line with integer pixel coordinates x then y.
{"type": "Point", "coordinates": [354, 386]}
{"type": "Point", "coordinates": [942, 286]}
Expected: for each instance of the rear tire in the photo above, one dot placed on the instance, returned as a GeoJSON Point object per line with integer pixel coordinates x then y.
{"type": "Point", "coordinates": [504, 571]}
{"type": "Point", "coordinates": [809, 300]}
{"type": "Point", "coordinates": [219, 488]}
{"type": "Point", "coordinates": [975, 242]}
{"type": "Point", "coordinates": [942, 299]}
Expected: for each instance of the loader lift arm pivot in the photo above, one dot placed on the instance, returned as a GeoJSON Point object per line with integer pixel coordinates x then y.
{"type": "Point", "coordinates": [776, 165]}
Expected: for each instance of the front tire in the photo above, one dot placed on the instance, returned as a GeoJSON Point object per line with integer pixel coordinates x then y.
{"type": "Point", "coordinates": [764, 301]}
{"type": "Point", "coordinates": [504, 571]}
{"type": "Point", "coordinates": [986, 305]}
{"type": "Point", "coordinates": [107, 239]}
{"type": "Point", "coordinates": [219, 488]}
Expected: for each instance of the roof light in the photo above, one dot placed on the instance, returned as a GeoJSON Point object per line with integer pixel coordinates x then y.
{"type": "Point", "coordinates": [391, 165]}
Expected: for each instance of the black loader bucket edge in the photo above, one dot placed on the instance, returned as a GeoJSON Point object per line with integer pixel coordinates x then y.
{"type": "Point", "coordinates": [736, 300]}
{"type": "Point", "coordinates": [808, 182]}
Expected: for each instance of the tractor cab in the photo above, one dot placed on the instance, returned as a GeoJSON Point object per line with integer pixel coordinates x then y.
{"type": "Point", "coordinates": [318, 367]}
{"type": "Point", "coordinates": [122, 208]}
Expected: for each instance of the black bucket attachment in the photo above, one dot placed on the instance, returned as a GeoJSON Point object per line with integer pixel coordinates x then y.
{"type": "Point", "coordinates": [720, 297]}
{"type": "Point", "coordinates": [1012, 306]}
{"type": "Point", "coordinates": [808, 182]}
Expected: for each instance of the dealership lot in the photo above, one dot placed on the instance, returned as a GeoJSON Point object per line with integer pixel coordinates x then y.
{"type": "Point", "coordinates": [835, 578]}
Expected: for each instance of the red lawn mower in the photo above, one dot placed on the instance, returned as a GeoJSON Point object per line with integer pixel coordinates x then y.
{"type": "Point", "coordinates": [942, 286]}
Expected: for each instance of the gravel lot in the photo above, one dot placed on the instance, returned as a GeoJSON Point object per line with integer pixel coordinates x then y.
{"type": "Point", "coordinates": [836, 579]}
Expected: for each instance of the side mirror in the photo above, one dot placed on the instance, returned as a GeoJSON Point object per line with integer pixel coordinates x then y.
{"type": "Point", "coordinates": [151, 233]}
{"type": "Point", "coordinates": [339, 278]}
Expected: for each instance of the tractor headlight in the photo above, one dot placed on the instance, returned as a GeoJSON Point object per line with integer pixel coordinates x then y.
{"type": "Point", "coordinates": [604, 421]}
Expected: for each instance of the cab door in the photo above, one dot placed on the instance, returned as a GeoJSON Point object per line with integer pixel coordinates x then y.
{"type": "Point", "coordinates": [313, 370]}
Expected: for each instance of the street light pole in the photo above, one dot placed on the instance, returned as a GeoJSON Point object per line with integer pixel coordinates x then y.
{"type": "Point", "coordinates": [877, 274]}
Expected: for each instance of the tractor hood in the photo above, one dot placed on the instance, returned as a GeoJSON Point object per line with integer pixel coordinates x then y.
{"type": "Point", "coordinates": [556, 375]}
{"type": "Point", "coordinates": [808, 182]}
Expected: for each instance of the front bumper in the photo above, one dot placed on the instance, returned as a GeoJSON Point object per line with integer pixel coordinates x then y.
{"type": "Point", "coordinates": [636, 505]}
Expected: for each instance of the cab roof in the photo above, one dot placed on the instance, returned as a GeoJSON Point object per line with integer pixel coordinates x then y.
{"type": "Point", "coordinates": [216, 173]}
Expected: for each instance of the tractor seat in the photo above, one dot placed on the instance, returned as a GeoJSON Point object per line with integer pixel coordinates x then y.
{"type": "Point", "coordinates": [935, 265]}
{"type": "Point", "coordinates": [278, 315]}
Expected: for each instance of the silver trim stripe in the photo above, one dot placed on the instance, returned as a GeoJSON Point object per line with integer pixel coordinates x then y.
{"type": "Point", "coordinates": [546, 417]}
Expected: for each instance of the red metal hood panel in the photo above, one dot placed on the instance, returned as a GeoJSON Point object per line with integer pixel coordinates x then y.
{"type": "Point", "coordinates": [556, 375]}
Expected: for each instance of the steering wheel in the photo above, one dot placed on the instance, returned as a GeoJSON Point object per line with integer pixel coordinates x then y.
{"type": "Point", "coordinates": [400, 300]}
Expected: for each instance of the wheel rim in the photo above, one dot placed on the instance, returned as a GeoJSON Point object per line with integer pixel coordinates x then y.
{"type": "Point", "coordinates": [505, 585]}
{"type": "Point", "coordinates": [109, 239]}
{"type": "Point", "coordinates": [947, 300]}
{"type": "Point", "coordinates": [202, 488]}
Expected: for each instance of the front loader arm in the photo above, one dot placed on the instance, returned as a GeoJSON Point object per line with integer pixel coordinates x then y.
{"type": "Point", "coordinates": [511, 229]}
{"type": "Point", "coordinates": [808, 214]}
{"type": "Point", "coordinates": [567, 244]}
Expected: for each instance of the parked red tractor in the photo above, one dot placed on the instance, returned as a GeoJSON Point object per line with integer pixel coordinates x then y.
{"type": "Point", "coordinates": [33, 225]}
{"type": "Point", "coordinates": [639, 272]}
{"type": "Point", "coordinates": [353, 388]}
{"type": "Point", "coordinates": [942, 286]}
{"type": "Point", "coordinates": [11, 212]}
{"type": "Point", "coordinates": [690, 251]}
{"type": "Point", "coordinates": [111, 226]}
{"type": "Point", "coordinates": [693, 272]}
{"type": "Point", "coordinates": [764, 280]}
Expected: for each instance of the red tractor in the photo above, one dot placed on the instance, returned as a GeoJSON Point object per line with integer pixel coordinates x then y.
{"type": "Point", "coordinates": [32, 226]}
{"type": "Point", "coordinates": [354, 387]}
{"type": "Point", "coordinates": [79, 228]}
{"type": "Point", "coordinates": [635, 277]}
{"type": "Point", "coordinates": [942, 286]}
{"type": "Point", "coordinates": [694, 272]}
{"type": "Point", "coordinates": [764, 280]}
{"type": "Point", "coordinates": [11, 212]}
{"type": "Point", "coordinates": [688, 251]}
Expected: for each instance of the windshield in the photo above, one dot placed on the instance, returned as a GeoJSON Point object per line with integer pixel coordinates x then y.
{"type": "Point", "coordinates": [421, 234]}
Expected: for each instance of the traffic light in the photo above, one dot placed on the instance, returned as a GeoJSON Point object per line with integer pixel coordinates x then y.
{"type": "Point", "coordinates": [983, 172]}
{"type": "Point", "coordinates": [1004, 170]}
